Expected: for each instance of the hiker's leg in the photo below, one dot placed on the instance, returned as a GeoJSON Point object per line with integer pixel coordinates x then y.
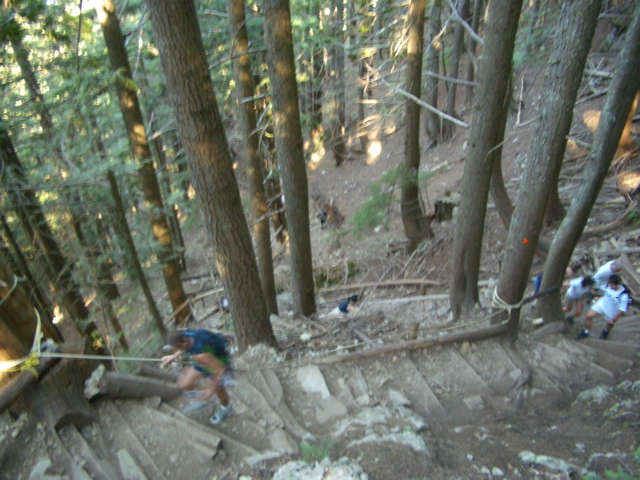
{"type": "Point", "coordinates": [188, 377]}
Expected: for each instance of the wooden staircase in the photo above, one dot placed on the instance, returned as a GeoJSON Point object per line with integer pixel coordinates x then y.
{"type": "Point", "coordinates": [416, 393]}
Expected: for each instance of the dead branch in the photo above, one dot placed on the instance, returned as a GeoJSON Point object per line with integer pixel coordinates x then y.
{"type": "Point", "coordinates": [391, 283]}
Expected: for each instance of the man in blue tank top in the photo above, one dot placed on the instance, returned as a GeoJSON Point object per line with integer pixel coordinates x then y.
{"type": "Point", "coordinates": [209, 357]}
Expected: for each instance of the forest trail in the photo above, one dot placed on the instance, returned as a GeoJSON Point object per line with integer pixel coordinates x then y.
{"type": "Point", "coordinates": [415, 413]}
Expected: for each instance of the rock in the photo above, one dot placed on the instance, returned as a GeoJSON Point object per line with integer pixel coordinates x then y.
{"type": "Point", "coordinates": [398, 399]}
{"type": "Point", "coordinates": [474, 402]}
{"type": "Point", "coordinates": [529, 459]}
{"type": "Point", "coordinates": [39, 471]}
{"type": "Point", "coordinates": [330, 409]}
{"type": "Point", "coordinates": [312, 381]}
{"type": "Point", "coordinates": [365, 418]}
{"type": "Point", "coordinates": [408, 439]}
{"type": "Point", "coordinates": [281, 441]}
{"type": "Point", "coordinates": [343, 469]}
{"type": "Point", "coordinates": [496, 472]}
{"type": "Point", "coordinates": [594, 395]}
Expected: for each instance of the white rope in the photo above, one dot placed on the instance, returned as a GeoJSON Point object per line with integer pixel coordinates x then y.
{"type": "Point", "coordinates": [500, 304]}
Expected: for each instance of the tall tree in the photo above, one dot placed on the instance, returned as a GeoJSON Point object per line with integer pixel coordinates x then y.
{"type": "Point", "coordinates": [338, 133]}
{"type": "Point", "coordinates": [433, 125]}
{"type": "Point", "coordinates": [253, 162]}
{"type": "Point", "coordinates": [414, 220]}
{"type": "Point", "coordinates": [288, 135]}
{"type": "Point", "coordinates": [132, 116]}
{"type": "Point", "coordinates": [623, 88]}
{"type": "Point", "coordinates": [191, 94]}
{"type": "Point", "coordinates": [30, 213]}
{"type": "Point", "coordinates": [472, 61]}
{"type": "Point", "coordinates": [494, 73]}
{"type": "Point", "coordinates": [456, 52]}
{"type": "Point", "coordinates": [573, 36]}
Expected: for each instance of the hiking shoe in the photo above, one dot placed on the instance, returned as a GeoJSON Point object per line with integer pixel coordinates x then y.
{"type": "Point", "coordinates": [570, 320]}
{"type": "Point", "coordinates": [582, 334]}
{"type": "Point", "coordinates": [604, 334]}
{"type": "Point", "coordinates": [220, 415]}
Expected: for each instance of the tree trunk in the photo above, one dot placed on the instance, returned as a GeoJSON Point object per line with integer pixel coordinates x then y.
{"type": "Point", "coordinates": [626, 142]}
{"type": "Point", "coordinates": [623, 88]}
{"type": "Point", "coordinates": [38, 296]}
{"type": "Point", "coordinates": [456, 52]}
{"type": "Point", "coordinates": [288, 135]}
{"type": "Point", "coordinates": [19, 316]}
{"type": "Point", "coordinates": [121, 227]}
{"type": "Point", "coordinates": [29, 210]}
{"type": "Point", "coordinates": [132, 117]}
{"type": "Point", "coordinates": [493, 80]}
{"type": "Point", "coordinates": [564, 73]}
{"type": "Point", "coordinates": [338, 139]}
{"type": "Point", "coordinates": [172, 211]}
{"type": "Point", "coordinates": [414, 220]}
{"type": "Point", "coordinates": [498, 189]}
{"type": "Point", "coordinates": [472, 60]}
{"type": "Point", "coordinates": [253, 162]}
{"type": "Point", "coordinates": [191, 95]}
{"type": "Point", "coordinates": [433, 124]}
{"type": "Point", "coordinates": [316, 75]}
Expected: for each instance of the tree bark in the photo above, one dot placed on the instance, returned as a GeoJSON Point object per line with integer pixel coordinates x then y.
{"type": "Point", "coordinates": [623, 88]}
{"type": "Point", "coordinates": [338, 140]}
{"type": "Point", "coordinates": [191, 95]}
{"type": "Point", "coordinates": [38, 296]}
{"type": "Point", "coordinates": [564, 73]}
{"type": "Point", "coordinates": [253, 162]}
{"type": "Point", "coordinates": [433, 124]}
{"type": "Point", "coordinates": [414, 220]}
{"type": "Point", "coordinates": [121, 227]}
{"type": "Point", "coordinates": [288, 135]}
{"type": "Point", "coordinates": [626, 142]}
{"type": "Point", "coordinates": [472, 60]}
{"type": "Point", "coordinates": [456, 52]}
{"type": "Point", "coordinates": [493, 79]}
{"type": "Point", "coordinates": [132, 116]}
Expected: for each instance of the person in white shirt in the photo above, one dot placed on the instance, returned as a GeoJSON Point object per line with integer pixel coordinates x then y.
{"type": "Point", "coordinates": [602, 275]}
{"type": "Point", "coordinates": [576, 295]}
{"type": "Point", "coordinates": [611, 305]}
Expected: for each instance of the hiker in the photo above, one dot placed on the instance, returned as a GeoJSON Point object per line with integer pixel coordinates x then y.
{"type": "Point", "coordinates": [224, 306]}
{"type": "Point", "coordinates": [209, 357]}
{"type": "Point", "coordinates": [602, 275]}
{"type": "Point", "coordinates": [576, 296]}
{"type": "Point", "coordinates": [322, 216]}
{"type": "Point", "coordinates": [349, 304]}
{"type": "Point", "coordinates": [611, 305]}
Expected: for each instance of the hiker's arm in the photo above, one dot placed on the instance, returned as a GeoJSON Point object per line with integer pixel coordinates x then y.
{"type": "Point", "coordinates": [170, 358]}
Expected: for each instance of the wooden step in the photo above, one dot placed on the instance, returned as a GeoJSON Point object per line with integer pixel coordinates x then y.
{"type": "Point", "coordinates": [490, 361]}
{"type": "Point", "coordinates": [123, 437]}
{"type": "Point", "coordinates": [99, 468]}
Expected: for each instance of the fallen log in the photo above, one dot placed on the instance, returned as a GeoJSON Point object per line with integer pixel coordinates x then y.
{"type": "Point", "coordinates": [158, 373]}
{"type": "Point", "coordinates": [467, 336]}
{"type": "Point", "coordinates": [392, 283]}
{"type": "Point", "coordinates": [115, 385]}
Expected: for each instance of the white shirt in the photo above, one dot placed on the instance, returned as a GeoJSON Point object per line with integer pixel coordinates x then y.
{"type": "Point", "coordinates": [603, 274]}
{"type": "Point", "coordinates": [612, 302]}
{"type": "Point", "coordinates": [576, 290]}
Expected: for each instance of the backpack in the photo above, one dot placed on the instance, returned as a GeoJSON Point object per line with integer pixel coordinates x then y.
{"type": "Point", "coordinates": [625, 289]}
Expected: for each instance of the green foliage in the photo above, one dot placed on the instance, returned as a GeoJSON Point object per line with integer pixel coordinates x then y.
{"type": "Point", "coordinates": [314, 453]}
{"type": "Point", "coordinates": [633, 217]}
{"type": "Point", "coordinates": [536, 30]}
{"type": "Point", "coordinates": [629, 472]}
